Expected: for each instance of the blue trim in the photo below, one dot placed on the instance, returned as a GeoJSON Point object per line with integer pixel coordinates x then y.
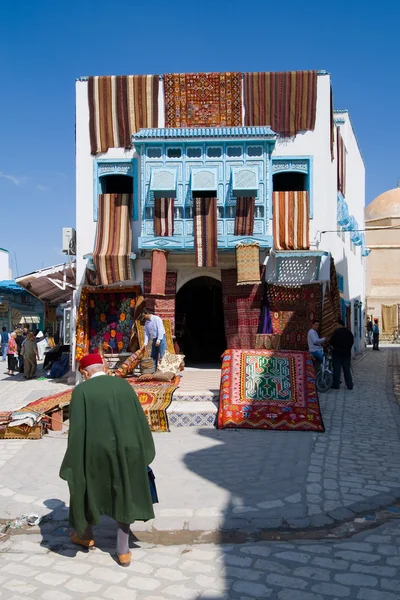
{"type": "Point", "coordinates": [166, 133]}
{"type": "Point", "coordinates": [184, 243]}
{"type": "Point", "coordinates": [96, 182]}
{"type": "Point", "coordinates": [309, 175]}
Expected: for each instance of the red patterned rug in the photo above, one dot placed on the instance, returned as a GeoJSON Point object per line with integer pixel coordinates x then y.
{"type": "Point", "coordinates": [242, 308]}
{"type": "Point", "coordinates": [267, 389]}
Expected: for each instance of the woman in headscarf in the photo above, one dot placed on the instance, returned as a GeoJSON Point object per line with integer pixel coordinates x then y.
{"type": "Point", "coordinates": [30, 353]}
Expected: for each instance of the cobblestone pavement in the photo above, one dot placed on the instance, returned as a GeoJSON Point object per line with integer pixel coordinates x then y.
{"type": "Point", "coordinates": [242, 480]}
{"type": "Point", "coordinates": [46, 566]}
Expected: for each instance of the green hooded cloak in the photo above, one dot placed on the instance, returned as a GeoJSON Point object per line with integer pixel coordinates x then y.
{"type": "Point", "coordinates": [110, 446]}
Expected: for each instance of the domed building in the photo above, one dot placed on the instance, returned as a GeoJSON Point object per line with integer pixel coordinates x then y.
{"type": "Point", "coordinates": [382, 223]}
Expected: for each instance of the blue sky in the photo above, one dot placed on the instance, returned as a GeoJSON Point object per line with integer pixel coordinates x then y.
{"type": "Point", "coordinates": [45, 45]}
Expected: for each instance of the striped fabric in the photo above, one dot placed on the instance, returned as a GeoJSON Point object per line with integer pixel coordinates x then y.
{"type": "Point", "coordinates": [244, 220]}
{"type": "Point", "coordinates": [291, 220]}
{"type": "Point", "coordinates": [286, 101]}
{"type": "Point", "coordinates": [113, 247]}
{"type": "Point", "coordinates": [158, 272]}
{"type": "Point", "coordinates": [205, 231]}
{"type": "Point", "coordinates": [341, 163]}
{"type": "Point", "coordinates": [164, 217]}
{"type": "Point", "coordinates": [118, 107]}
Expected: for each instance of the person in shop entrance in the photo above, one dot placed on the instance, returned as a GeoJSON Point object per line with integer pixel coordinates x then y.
{"type": "Point", "coordinates": [315, 343]}
{"type": "Point", "coordinates": [342, 342]}
{"type": "Point", "coordinates": [110, 447]}
{"type": "Point", "coordinates": [154, 331]}
{"type": "Point", "coordinates": [375, 335]}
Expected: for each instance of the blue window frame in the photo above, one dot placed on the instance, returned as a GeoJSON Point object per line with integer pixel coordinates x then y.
{"type": "Point", "coordinates": [295, 164]}
{"type": "Point", "coordinates": [125, 167]}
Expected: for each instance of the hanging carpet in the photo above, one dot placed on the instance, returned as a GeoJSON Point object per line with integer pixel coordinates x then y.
{"type": "Point", "coordinates": [341, 162]}
{"type": "Point", "coordinates": [162, 306]}
{"type": "Point", "coordinates": [389, 318]}
{"type": "Point", "coordinates": [291, 217]}
{"type": "Point", "coordinates": [158, 272]}
{"type": "Point", "coordinates": [286, 101]}
{"type": "Point", "coordinates": [244, 219]}
{"type": "Point", "coordinates": [205, 231]}
{"type": "Point", "coordinates": [118, 107]}
{"type": "Point", "coordinates": [163, 217]}
{"type": "Point", "coordinates": [242, 306]}
{"type": "Point", "coordinates": [248, 264]}
{"type": "Point", "coordinates": [329, 316]}
{"type": "Point", "coordinates": [267, 389]}
{"type": "Point", "coordinates": [203, 99]}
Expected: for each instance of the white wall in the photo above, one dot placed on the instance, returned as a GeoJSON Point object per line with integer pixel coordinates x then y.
{"type": "Point", "coordinates": [5, 271]}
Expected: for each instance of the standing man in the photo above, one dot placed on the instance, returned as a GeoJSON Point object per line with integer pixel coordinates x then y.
{"type": "Point", "coordinates": [5, 336]}
{"type": "Point", "coordinates": [109, 449]}
{"type": "Point", "coordinates": [369, 330]}
{"type": "Point", "coordinates": [154, 330]}
{"type": "Point", "coordinates": [375, 335]}
{"type": "Point", "coordinates": [315, 343]}
{"type": "Point", "coordinates": [342, 342]}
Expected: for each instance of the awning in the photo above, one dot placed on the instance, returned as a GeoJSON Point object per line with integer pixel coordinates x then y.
{"type": "Point", "coordinates": [53, 284]}
{"type": "Point", "coordinates": [245, 181]}
{"type": "Point", "coordinates": [163, 182]}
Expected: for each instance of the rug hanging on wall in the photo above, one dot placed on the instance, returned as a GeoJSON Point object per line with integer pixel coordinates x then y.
{"type": "Point", "coordinates": [164, 217]}
{"type": "Point", "coordinates": [329, 316]}
{"type": "Point", "coordinates": [263, 389]}
{"type": "Point", "coordinates": [118, 107]}
{"type": "Point", "coordinates": [285, 101]}
{"type": "Point", "coordinates": [293, 310]}
{"type": "Point", "coordinates": [205, 231]}
{"type": "Point", "coordinates": [113, 247]}
{"type": "Point", "coordinates": [242, 304]}
{"type": "Point", "coordinates": [158, 272]}
{"type": "Point", "coordinates": [291, 220]}
{"type": "Point", "coordinates": [155, 397]}
{"type": "Point", "coordinates": [248, 264]}
{"type": "Point", "coordinates": [244, 218]}
{"type": "Point", "coordinates": [203, 99]}
{"type": "Point", "coordinates": [162, 306]}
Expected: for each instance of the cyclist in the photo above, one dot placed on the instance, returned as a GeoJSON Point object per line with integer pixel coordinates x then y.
{"type": "Point", "coordinates": [315, 344]}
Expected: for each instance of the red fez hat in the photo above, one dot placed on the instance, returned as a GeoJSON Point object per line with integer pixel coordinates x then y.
{"type": "Point", "coordinates": [90, 359]}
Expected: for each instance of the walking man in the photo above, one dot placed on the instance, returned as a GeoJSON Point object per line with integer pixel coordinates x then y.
{"type": "Point", "coordinates": [154, 330]}
{"type": "Point", "coordinates": [375, 334]}
{"type": "Point", "coordinates": [315, 343]}
{"type": "Point", "coordinates": [5, 336]}
{"type": "Point", "coordinates": [109, 449]}
{"type": "Point", "coordinates": [342, 342]}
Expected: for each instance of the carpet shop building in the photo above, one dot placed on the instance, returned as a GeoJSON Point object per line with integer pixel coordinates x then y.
{"type": "Point", "coordinates": [234, 202]}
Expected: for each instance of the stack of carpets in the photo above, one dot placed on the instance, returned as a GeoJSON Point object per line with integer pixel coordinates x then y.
{"type": "Point", "coordinates": [263, 389]}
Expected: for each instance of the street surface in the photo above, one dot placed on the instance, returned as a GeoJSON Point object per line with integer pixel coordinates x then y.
{"type": "Point", "coordinates": [306, 495]}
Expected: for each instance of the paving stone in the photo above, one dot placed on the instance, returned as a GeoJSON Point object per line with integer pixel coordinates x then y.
{"type": "Point", "coordinates": [365, 594]}
{"type": "Point", "coordinates": [294, 557]}
{"type": "Point", "coordinates": [109, 575]}
{"type": "Point", "coordinates": [119, 593]}
{"type": "Point", "coordinates": [389, 584]}
{"type": "Point", "coordinates": [330, 563]}
{"type": "Point", "coordinates": [55, 595]}
{"type": "Point", "coordinates": [357, 546]}
{"type": "Point", "coordinates": [51, 578]}
{"type": "Point", "coordinates": [285, 581]}
{"type": "Point", "coordinates": [331, 589]}
{"type": "Point", "coordinates": [274, 567]}
{"type": "Point", "coordinates": [361, 557]}
{"type": "Point", "coordinates": [312, 573]}
{"type": "Point", "coordinates": [180, 591]}
{"type": "Point", "coordinates": [356, 580]}
{"type": "Point", "coordinates": [82, 585]}
{"type": "Point", "coordinates": [256, 590]}
{"type": "Point", "coordinates": [297, 595]}
{"type": "Point", "coordinates": [257, 550]}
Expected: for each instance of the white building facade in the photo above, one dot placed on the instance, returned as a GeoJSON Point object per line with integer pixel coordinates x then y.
{"type": "Point", "coordinates": [228, 163]}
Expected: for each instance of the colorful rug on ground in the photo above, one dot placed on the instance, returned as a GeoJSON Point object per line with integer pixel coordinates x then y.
{"type": "Point", "coordinates": [118, 107]}
{"type": "Point", "coordinates": [155, 397]}
{"type": "Point", "coordinates": [293, 309]}
{"type": "Point", "coordinates": [242, 307]}
{"type": "Point", "coordinates": [49, 403]}
{"type": "Point", "coordinates": [203, 99]}
{"type": "Point", "coordinates": [266, 389]}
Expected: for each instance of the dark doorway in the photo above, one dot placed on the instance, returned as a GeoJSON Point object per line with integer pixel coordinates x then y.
{"type": "Point", "coordinates": [200, 320]}
{"type": "Point", "coordinates": [290, 181]}
{"type": "Point", "coordinates": [116, 184]}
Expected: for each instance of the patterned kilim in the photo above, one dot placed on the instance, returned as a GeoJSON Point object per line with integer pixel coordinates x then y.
{"type": "Point", "coordinates": [118, 107]}
{"type": "Point", "coordinates": [164, 217]}
{"type": "Point", "coordinates": [291, 220]}
{"type": "Point", "coordinates": [286, 101]}
{"type": "Point", "coordinates": [266, 389]}
{"type": "Point", "coordinates": [155, 397]}
{"type": "Point", "coordinates": [244, 219]}
{"type": "Point", "coordinates": [248, 264]}
{"type": "Point", "coordinates": [105, 316]}
{"type": "Point", "coordinates": [334, 289]}
{"type": "Point", "coordinates": [203, 99]}
{"type": "Point", "coordinates": [112, 253]}
{"type": "Point", "coordinates": [242, 305]}
{"type": "Point", "coordinates": [389, 318]}
{"type": "Point", "coordinates": [329, 317]}
{"type": "Point", "coordinates": [293, 309]}
{"type": "Point", "coordinates": [205, 231]}
{"type": "Point", "coordinates": [341, 163]}
{"type": "Point", "coordinates": [163, 306]}
{"type": "Point", "coordinates": [168, 335]}
{"type": "Point", "coordinates": [158, 272]}
{"type": "Point", "coordinates": [268, 341]}
{"type": "Point", "coordinates": [49, 403]}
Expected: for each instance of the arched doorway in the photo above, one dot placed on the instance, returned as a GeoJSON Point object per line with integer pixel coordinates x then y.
{"type": "Point", "coordinates": [200, 320]}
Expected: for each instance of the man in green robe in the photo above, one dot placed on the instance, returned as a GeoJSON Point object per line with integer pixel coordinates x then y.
{"type": "Point", "coordinates": [110, 446]}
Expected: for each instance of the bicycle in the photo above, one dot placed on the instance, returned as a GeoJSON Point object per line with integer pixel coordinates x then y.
{"type": "Point", "coordinates": [324, 376]}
